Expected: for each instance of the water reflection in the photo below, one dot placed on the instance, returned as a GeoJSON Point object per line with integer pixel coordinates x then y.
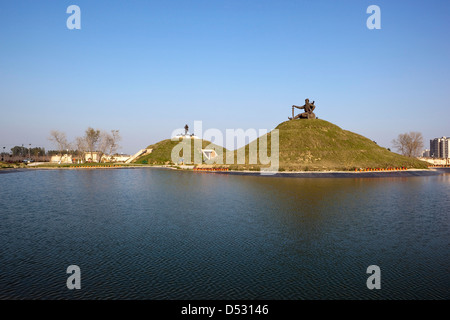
{"type": "Point", "coordinates": [159, 234]}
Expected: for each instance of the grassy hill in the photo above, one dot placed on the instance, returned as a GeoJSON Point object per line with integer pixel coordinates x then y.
{"type": "Point", "coordinates": [304, 145]}
{"type": "Point", "coordinates": [161, 153]}
{"type": "Point", "coordinates": [320, 145]}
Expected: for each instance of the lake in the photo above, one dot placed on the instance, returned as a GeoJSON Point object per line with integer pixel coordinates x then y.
{"type": "Point", "coordinates": [164, 234]}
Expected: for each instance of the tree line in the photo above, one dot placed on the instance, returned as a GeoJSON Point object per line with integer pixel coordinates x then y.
{"type": "Point", "coordinates": [19, 153]}
{"type": "Point", "coordinates": [23, 152]}
{"type": "Point", "coordinates": [93, 140]}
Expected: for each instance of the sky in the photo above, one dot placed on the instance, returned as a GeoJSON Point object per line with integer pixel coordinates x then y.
{"type": "Point", "coordinates": [146, 68]}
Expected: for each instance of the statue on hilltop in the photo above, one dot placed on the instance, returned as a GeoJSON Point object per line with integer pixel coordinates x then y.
{"type": "Point", "coordinates": [308, 114]}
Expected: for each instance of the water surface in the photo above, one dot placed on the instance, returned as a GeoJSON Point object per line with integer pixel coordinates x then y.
{"type": "Point", "coordinates": [160, 234]}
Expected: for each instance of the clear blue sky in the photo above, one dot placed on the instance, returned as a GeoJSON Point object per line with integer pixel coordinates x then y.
{"type": "Point", "coordinates": [149, 67]}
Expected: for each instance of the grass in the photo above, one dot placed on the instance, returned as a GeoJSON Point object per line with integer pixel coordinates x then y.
{"type": "Point", "coordinates": [7, 165]}
{"type": "Point", "coordinates": [304, 145]}
{"type": "Point", "coordinates": [316, 145]}
{"type": "Point", "coordinates": [162, 151]}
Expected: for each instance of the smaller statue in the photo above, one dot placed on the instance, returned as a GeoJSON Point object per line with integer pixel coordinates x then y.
{"type": "Point", "coordinates": [186, 130]}
{"type": "Point", "coordinates": [308, 114]}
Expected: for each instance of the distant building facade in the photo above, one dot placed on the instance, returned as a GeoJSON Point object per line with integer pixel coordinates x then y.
{"type": "Point", "coordinates": [426, 153]}
{"type": "Point", "coordinates": [92, 156]}
{"type": "Point", "coordinates": [65, 158]}
{"type": "Point", "coordinates": [89, 157]}
{"type": "Point", "coordinates": [439, 148]}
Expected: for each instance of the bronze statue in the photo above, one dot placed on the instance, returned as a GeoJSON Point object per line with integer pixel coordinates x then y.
{"type": "Point", "coordinates": [186, 129]}
{"type": "Point", "coordinates": [308, 114]}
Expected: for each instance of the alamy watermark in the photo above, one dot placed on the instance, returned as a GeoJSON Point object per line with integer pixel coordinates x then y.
{"type": "Point", "coordinates": [74, 280]}
{"type": "Point", "coordinates": [374, 281]}
{"type": "Point", "coordinates": [74, 20]}
{"type": "Point", "coordinates": [374, 21]}
{"type": "Point", "coordinates": [256, 152]}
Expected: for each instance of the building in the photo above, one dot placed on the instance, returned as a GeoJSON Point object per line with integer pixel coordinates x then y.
{"type": "Point", "coordinates": [92, 156]}
{"type": "Point", "coordinates": [426, 153]}
{"type": "Point", "coordinates": [89, 157]}
{"type": "Point", "coordinates": [439, 148]}
{"type": "Point", "coordinates": [66, 158]}
{"type": "Point", "coordinates": [434, 148]}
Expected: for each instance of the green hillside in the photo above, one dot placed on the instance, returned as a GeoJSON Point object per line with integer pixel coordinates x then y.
{"type": "Point", "coordinates": [161, 153]}
{"type": "Point", "coordinates": [320, 145]}
{"type": "Point", "coordinates": [304, 145]}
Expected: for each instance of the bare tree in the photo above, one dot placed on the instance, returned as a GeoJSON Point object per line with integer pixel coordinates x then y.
{"type": "Point", "coordinates": [92, 138]}
{"type": "Point", "coordinates": [409, 144]}
{"type": "Point", "coordinates": [108, 143]}
{"type": "Point", "coordinates": [81, 146]}
{"type": "Point", "coordinates": [105, 142]}
{"type": "Point", "coordinates": [114, 141]}
{"type": "Point", "coordinates": [60, 141]}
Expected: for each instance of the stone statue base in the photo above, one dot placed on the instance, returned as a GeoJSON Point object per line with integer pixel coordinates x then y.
{"type": "Point", "coordinates": [310, 115]}
{"type": "Point", "coordinates": [304, 115]}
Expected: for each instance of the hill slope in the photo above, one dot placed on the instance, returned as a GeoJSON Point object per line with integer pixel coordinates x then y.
{"type": "Point", "coordinates": [320, 145]}
{"type": "Point", "coordinates": [162, 151]}
{"type": "Point", "coordinates": [303, 145]}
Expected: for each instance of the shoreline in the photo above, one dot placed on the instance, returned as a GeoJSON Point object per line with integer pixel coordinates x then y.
{"type": "Point", "coordinates": [298, 174]}
{"type": "Point", "coordinates": [343, 174]}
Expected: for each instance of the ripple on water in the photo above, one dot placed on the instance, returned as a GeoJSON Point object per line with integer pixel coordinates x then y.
{"type": "Point", "coordinates": [157, 234]}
